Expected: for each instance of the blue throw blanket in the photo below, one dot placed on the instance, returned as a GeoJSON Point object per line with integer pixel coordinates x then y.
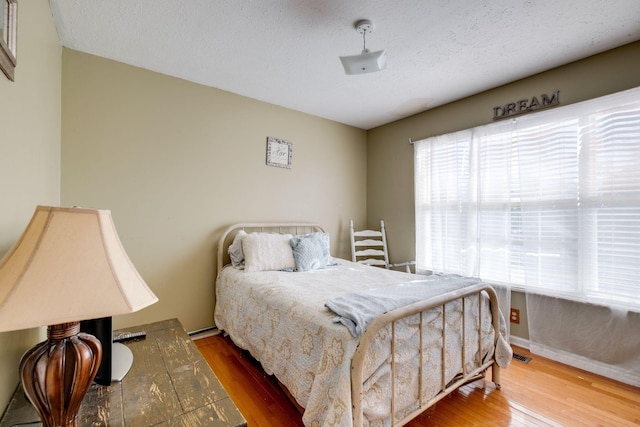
{"type": "Point", "coordinates": [357, 310]}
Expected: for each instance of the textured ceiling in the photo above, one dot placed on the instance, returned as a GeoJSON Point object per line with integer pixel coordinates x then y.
{"type": "Point", "coordinates": [286, 52]}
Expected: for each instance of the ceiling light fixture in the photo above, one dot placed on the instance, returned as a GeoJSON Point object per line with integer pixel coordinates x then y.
{"type": "Point", "coordinates": [367, 61]}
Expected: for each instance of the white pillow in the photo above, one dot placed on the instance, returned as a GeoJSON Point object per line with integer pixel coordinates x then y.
{"type": "Point", "coordinates": [267, 251]}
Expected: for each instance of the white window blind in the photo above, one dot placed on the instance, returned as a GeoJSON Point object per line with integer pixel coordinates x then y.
{"type": "Point", "coordinates": [548, 201]}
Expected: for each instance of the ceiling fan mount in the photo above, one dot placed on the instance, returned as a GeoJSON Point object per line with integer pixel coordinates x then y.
{"type": "Point", "coordinates": [364, 26]}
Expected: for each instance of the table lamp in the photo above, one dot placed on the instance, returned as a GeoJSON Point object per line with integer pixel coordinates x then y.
{"type": "Point", "coordinates": [67, 266]}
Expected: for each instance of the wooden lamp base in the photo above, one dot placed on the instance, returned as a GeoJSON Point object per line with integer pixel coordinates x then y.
{"type": "Point", "coordinates": [57, 373]}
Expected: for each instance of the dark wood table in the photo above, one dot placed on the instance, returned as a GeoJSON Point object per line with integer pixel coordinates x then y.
{"type": "Point", "coordinates": [169, 384]}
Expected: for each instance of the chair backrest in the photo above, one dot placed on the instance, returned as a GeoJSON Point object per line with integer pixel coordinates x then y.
{"type": "Point", "coordinates": [369, 246]}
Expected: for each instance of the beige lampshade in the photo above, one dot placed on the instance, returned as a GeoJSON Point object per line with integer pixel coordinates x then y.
{"type": "Point", "coordinates": [68, 265]}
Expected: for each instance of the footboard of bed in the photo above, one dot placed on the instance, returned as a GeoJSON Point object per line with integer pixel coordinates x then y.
{"type": "Point", "coordinates": [390, 318]}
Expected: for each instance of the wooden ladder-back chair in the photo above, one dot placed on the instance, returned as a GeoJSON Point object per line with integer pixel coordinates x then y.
{"type": "Point", "coordinates": [370, 247]}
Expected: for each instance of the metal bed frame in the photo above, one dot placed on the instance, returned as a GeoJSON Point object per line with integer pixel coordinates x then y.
{"type": "Point", "coordinates": [390, 318]}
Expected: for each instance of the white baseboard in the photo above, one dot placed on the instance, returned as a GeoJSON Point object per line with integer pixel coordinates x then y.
{"type": "Point", "coordinates": [204, 333]}
{"type": "Point", "coordinates": [520, 342]}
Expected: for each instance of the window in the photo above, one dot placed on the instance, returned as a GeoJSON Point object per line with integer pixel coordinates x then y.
{"type": "Point", "coordinates": [549, 202]}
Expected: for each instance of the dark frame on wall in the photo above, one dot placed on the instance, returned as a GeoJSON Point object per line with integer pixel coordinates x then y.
{"type": "Point", "coordinates": [8, 36]}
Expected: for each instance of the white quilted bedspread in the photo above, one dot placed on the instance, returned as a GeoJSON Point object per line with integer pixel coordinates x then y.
{"type": "Point", "coordinates": [281, 319]}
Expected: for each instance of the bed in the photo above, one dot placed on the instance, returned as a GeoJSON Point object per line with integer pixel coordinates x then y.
{"type": "Point", "coordinates": [381, 369]}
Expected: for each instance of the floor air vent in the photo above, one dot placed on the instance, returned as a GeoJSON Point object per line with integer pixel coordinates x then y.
{"type": "Point", "coordinates": [521, 358]}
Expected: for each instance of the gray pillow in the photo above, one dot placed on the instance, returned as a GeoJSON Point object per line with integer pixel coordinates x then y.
{"type": "Point", "coordinates": [310, 251]}
{"type": "Point", "coordinates": [235, 250]}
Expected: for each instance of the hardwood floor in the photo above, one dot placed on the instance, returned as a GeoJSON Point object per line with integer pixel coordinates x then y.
{"type": "Point", "coordinates": [540, 393]}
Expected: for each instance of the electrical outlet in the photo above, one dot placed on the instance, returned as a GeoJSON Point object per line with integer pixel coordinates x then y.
{"type": "Point", "coordinates": [515, 316]}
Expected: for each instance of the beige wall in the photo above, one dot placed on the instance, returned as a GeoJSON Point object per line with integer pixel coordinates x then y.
{"type": "Point", "coordinates": [176, 162]}
{"type": "Point", "coordinates": [390, 157]}
{"type": "Point", "coordinates": [29, 152]}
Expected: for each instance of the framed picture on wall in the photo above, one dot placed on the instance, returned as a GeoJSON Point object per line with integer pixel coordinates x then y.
{"type": "Point", "coordinates": [8, 34]}
{"type": "Point", "coordinates": [279, 152]}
